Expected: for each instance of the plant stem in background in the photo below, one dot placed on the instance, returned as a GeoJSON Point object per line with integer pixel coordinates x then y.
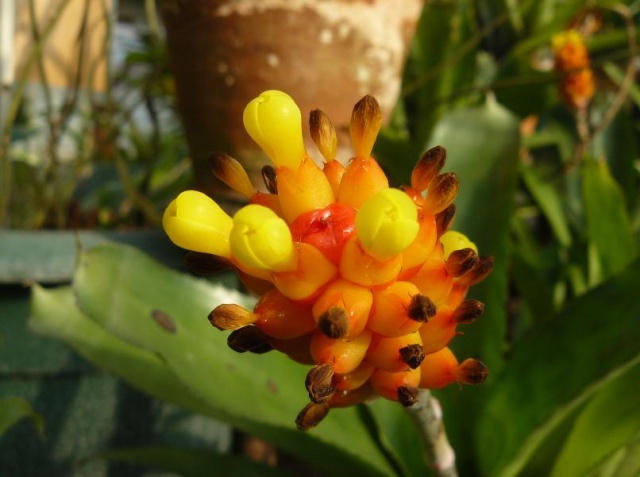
{"type": "Point", "coordinates": [20, 84]}
{"type": "Point", "coordinates": [426, 413]}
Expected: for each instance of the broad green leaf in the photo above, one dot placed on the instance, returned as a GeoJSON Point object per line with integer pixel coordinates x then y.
{"type": "Point", "coordinates": [13, 410]}
{"type": "Point", "coordinates": [549, 201]}
{"type": "Point", "coordinates": [190, 462]}
{"type": "Point", "coordinates": [163, 311]}
{"type": "Point", "coordinates": [610, 422]}
{"type": "Point", "coordinates": [557, 367]}
{"type": "Point", "coordinates": [608, 226]}
{"type": "Point", "coordinates": [482, 149]}
{"type": "Point", "coordinates": [399, 436]}
{"type": "Point", "coordinates": [54, 313]}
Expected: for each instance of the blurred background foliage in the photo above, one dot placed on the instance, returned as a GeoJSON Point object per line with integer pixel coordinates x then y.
{"type": "Point", "coordinates": [549, 190]}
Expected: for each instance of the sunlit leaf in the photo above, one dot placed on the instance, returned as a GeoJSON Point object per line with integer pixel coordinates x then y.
{"type": "Point", "coordinates": [13, 410]}
{"type": "Point", "coordinates": [557, 367]}
{"type": "Point", "coordinates": [613, 415]}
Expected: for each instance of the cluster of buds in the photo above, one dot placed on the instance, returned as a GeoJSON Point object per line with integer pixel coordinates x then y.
{"type": "Point", "coordinates": [572, 63]}
{"type": "Point", "coordinates": [361, 281]}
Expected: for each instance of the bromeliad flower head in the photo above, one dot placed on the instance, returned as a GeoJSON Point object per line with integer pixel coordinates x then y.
{"type": "Point", "coordinates": [573, 64]}
{"type": "Point", "coordinates": [361, 281]}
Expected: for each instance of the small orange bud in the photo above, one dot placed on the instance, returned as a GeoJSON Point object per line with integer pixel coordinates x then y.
{"type": "Point", "coordinates": [390, 310]}
{"type": "Point", "coordinates": [312, 272]}
{"type": "Point", "coordinates": [362, 179]}
{"type": "Point", "coordinates": [444, 219]}
{"type": "Point", "coordinates": [433, 279]}
{"type": "Point", "coordinates": [478, 273]}
{"type": "Point", "coordinates": [357, 266]}
{"type": "Point", "coordinates": [345, 306]}
{"type": "Point", "coordinates": [303, 189]}
{"type": "Point", "coordinates": [387, 384]}
{"type": "Point", "coordinates": [399, 353]}
{"type": "Point", "coordinates": [355, 378]}
{"type": "Point", "coordinates": [471, 371]}
{"type": "Point", "coordinates": [345, 356]}
{"type": "Point", "coordinates": [439, 331]}
{"type": "Point", "coordinates": [281, 318]}
{"type": "Point", "coordinates": [468, 311]}
{"type": "Point", "coordinates": [422, 246]}
{"type": "Point", "coordinates": [436, 370]}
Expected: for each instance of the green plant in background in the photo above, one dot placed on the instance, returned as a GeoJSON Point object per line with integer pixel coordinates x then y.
{"type": "Point", "coordinates": [548, 188]}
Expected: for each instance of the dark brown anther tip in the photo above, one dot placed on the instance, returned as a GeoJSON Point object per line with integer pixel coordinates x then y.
{"type": "Point", "coordinates": [334, 322]}
{"type": "Point", "coordinates": [444, 219]}
{"type": "Point", "coordinates": [413, 355]}
{"type": "Point", "coordinates": [421, 308]}
{"type": "Point", "coordinates": [231, 172]}
{"type": "Point", "coordinates": [472, 371]}
{"type": "Point", "coordinates": [230, 317]}
{"type": "Point", "coordinates": [311, 415]}
{"type": "Point", "coordinates": [468, 311]}
{"type": "Point", "coordinates": [407, 395]}
{"type": "Point", "coordinates": [319, 383]}
{"type": "Point", "coordinates": [441, 193]}
{"type": "Point", "coordinates": [461, 261]}
{"type": "Point", "coordinates": [205, 264]}
{"type": "Point", "coordinates": [478, 273]}
{"type": "Point", "coordinates": [269, 177]}
{"type": "Point", "coordinates": [250, 338]}
{"type": "Point", "coordinates": [427, 167]}
{"type": "Point", "coordinates": [323, 134]}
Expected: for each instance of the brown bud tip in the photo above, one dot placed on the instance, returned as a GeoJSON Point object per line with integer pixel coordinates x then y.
{"type": "Point", "coordinates": [444, 219]}
{"type": "Point", "coordinates": [311, 415]}
{"type": "Point", "coordinates": [421, 308]}
{"type": "Point", "coordinates": [428, 167]}
{"type": "Point", "coordinates": [323, 134]}
{"type": "Point", "coordinates": [478, 273]}
{"type": "Point", "coordinates": [366, 120]}
{"type": "Point", "coordinates": [269, 178]}
{"type": "Point", "coordinates": [412, 355]}
{"type": "Point", "coordinates": [205, 264]}
{"type": "Point", "coordinates": [231, 317]}
{"type": "Point", "coordinates": [461, 261]}
{"type": "Point", "coordinates": [442, 192]}
{"type": "Point", "coordinates": [468, 311]}
{"type": "Point", "coordinates": [231, 172]}
{"type": "Point", "coordinates": [407, 395]}
{"type": "Point", "coordinates": [249, 338]}
{"type": "Point", "coordinates": [320, 384]}
{"type": "Point", "coordinates": [471, 371]}
{"type": "Point", "coordinates": [334, 322]}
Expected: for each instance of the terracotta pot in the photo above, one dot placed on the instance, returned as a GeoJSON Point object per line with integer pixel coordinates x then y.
{"type": "Point", "coordinates": [325, 54]}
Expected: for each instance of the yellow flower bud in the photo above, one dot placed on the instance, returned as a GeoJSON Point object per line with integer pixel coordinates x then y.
{"type": "Point", "coordinates": [262, 240]}
{"type": "Point", "coordinates": [195, 222]}
{"type": "Point", "coordinates": [387, 223]}
{"type": "Point", "coordinates": [273, 120]}
{"type": "Point", "coordinates": [452, 241]}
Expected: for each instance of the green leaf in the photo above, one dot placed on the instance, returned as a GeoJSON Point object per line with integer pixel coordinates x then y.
{"type": "Point", "coordinates": [557, 367]}
{"type": "Point", "coordinates": [549, 201]}
{"type": "Point", "coordinates": [399, 436]}
{"type": "Point", "coordinates": [190, 462]}
{"type": "Point", "coordinates": [54, 313]}
{"type": "Point", "coordinates": [163, 311]}
{"type": "Point", "coordinates": [608, 225]}
{"type": "Point", "coordinates": [13, 410]}
{"type": "Point", "coordinates": [482, 149]}
{"type": "Point", "coordinates": [610, 422]}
